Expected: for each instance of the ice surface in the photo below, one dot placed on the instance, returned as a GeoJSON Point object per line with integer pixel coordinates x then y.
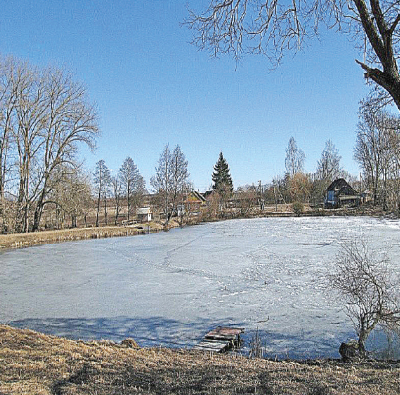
{"type": "Point", "coordinates": [171, 288]}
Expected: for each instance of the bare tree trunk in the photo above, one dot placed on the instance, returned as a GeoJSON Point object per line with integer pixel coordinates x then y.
{"type": "Point", "coordinates": [128, 197]}
{"type": "Point", "coordinates": [105, 209]}
{"type": "Point", "coordinates": [98, 209]}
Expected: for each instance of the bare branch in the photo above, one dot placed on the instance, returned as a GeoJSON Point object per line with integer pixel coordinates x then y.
{"type": "Point", "coordinates": [363, 281]}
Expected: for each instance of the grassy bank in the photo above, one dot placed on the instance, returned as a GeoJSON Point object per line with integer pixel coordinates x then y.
{"type": "Point", "coordinates": [19, 240]}
{"type": "Point", "coordinates": [32, 363]}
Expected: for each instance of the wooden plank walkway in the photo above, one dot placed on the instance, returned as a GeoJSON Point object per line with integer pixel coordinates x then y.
{"type": "Point", "coordinates": [220, 339]}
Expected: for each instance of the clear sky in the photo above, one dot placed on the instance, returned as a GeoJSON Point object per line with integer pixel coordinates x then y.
{"type": "Point", "coordinates": [152, 87]}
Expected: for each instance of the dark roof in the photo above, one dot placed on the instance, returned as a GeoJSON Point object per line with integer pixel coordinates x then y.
{"type": "Point", "coordinates": [208, 193]}
{"type": "Point", "coordinates": [341, 187]}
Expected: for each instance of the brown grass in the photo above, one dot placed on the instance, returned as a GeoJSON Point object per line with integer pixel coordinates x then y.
{"type": "Point", "coordinates": [32, 363]}
{"type": "Point", "coordinates": [19, 240]}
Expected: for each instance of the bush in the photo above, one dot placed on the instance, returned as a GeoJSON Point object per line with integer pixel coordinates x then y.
{"type": "Point", "coordinates": [298, 208]}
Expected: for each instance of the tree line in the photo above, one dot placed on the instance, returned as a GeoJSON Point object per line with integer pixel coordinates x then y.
{"type": "Point", "coordinates": [45, 116]}
{"type": "Point", "coordinates": [377, 152]}
{"type": "Point", "coordinates": [170, 184]}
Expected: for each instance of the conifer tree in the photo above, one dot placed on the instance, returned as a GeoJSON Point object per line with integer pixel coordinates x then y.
{"type": "Point", "coordinates": [221, 176]}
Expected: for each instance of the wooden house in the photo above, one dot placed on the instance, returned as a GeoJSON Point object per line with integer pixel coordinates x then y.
{"type": "Point", "coordinates": [340, 193]}
{"type": "Point", "coordinates": [192, 203]}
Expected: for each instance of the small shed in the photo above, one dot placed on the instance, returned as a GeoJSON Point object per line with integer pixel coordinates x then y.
{"type": "Point", "coordinates": [144, 214]}
{"type": "Point", "coordinates": [340, 194]}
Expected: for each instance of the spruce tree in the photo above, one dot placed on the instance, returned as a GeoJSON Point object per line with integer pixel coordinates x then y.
{"type": "Point", "coordinates": [221, 176]}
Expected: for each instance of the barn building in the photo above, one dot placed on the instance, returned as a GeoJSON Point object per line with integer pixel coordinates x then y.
{"type": "Point", "coordinates": [340, 194]}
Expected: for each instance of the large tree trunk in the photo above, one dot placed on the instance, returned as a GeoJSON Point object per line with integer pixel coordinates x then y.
{"type": "Point", "coordinates": [22, 220]}
{"type": "Point", "coordinates": [38, 212]}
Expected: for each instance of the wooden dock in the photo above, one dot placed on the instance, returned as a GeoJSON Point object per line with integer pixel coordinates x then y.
{"type": "Point", "coordinates": [221, 339]}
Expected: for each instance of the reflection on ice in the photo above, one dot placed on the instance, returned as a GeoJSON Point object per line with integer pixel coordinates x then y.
{"type": "Point", "coordinates": [171, 288]}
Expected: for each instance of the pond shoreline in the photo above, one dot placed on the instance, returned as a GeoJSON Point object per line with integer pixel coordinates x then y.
{"type": "Point", "coordinates": [42, 364]}
{"type": "Point", "coordinates": [23, 240]}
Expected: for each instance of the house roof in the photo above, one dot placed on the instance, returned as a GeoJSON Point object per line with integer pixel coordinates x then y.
{"type": "Point", "coordinates": [340, 186]}
{"type": "Point", "coordinates": [199, 196]}
{"type": "Point", "coordinates": [143, 211]}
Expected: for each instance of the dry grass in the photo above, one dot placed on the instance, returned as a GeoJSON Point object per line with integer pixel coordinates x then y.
{"type": "Point", "coordinates": [32, 363]}
{"type": "Point", "coordinates": [19, 240]}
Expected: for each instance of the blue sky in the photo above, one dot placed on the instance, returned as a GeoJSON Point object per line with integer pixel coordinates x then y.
{"type": "Point", "coordinates": [152, 87]}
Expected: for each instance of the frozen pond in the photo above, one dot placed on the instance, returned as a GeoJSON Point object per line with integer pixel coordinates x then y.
{"type": "Point", "coordinates": [171, 288]}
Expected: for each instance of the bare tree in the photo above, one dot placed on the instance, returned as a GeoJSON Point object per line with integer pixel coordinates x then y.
{"type": "Point", "coordinates": [68, 121]}
{"type": "Point", "coordinates": [294, 161]}
{"type": "Point", "coordinates": [248, 196]}
{"type": "Point", "coordinates": [29, 115]}
{"type": "Point", "coordinates": [70, 193]}
{"type": "Point", "coordinates": [162, 180]}
{"type": "Point", "coordinates": [132, 183]}
{"type": "Point", "coordinates": [364, 282]}
{"type": "Point", "coordinates": [117, 193]}
{"type": "Point", "coordinates": [274, 27]}
{"type": "Point", "coordinates": [7, 108]}
{"type": "Point", "coordinates": [180, 176]}
{"type": "Point", "coordinates": [44, 116]}
{"type": "Point", "coordinates": [102, 178]}
{"type": "Point", "coordinates": [328, 170]}
{"type": "Point", "coordinates": [300, 188]}
{"type": "Point", "coordinates": [280, 189]}
{"type": "Point", "coordinates": [376, 148]}
{"type": "Point", "coordinates": [328, 167]}
{"type": "Point", "coordinates": [170, 178]}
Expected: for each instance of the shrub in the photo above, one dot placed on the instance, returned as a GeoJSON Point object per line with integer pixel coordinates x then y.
{"type": "Point", "coordinates": [298, 208]}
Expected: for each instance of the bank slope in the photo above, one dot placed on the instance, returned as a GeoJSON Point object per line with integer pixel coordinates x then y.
{"type": "Point", "coordinates": [33, 363]}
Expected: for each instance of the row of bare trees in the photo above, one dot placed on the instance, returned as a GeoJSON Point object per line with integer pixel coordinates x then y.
{"type": "Point", "coordinates": [44, 116]}
{"type": "Point", "coordinates": [298, 186]}
{"type": "Point", "coordinates": [128, 186]}
{"type": "Point", "coordinates": [377, 151]}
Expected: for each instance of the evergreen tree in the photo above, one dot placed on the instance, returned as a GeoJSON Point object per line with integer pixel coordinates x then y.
{"type": "Point", "coordinates": [221, 176]}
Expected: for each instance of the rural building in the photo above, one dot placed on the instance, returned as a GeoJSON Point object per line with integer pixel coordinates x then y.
{"type": "Point", "coordinates": [144, 214]}
{"type": "Point", "coordinates": [340, 194]}
{"type": "Point", "coordinates": [192, 203]}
